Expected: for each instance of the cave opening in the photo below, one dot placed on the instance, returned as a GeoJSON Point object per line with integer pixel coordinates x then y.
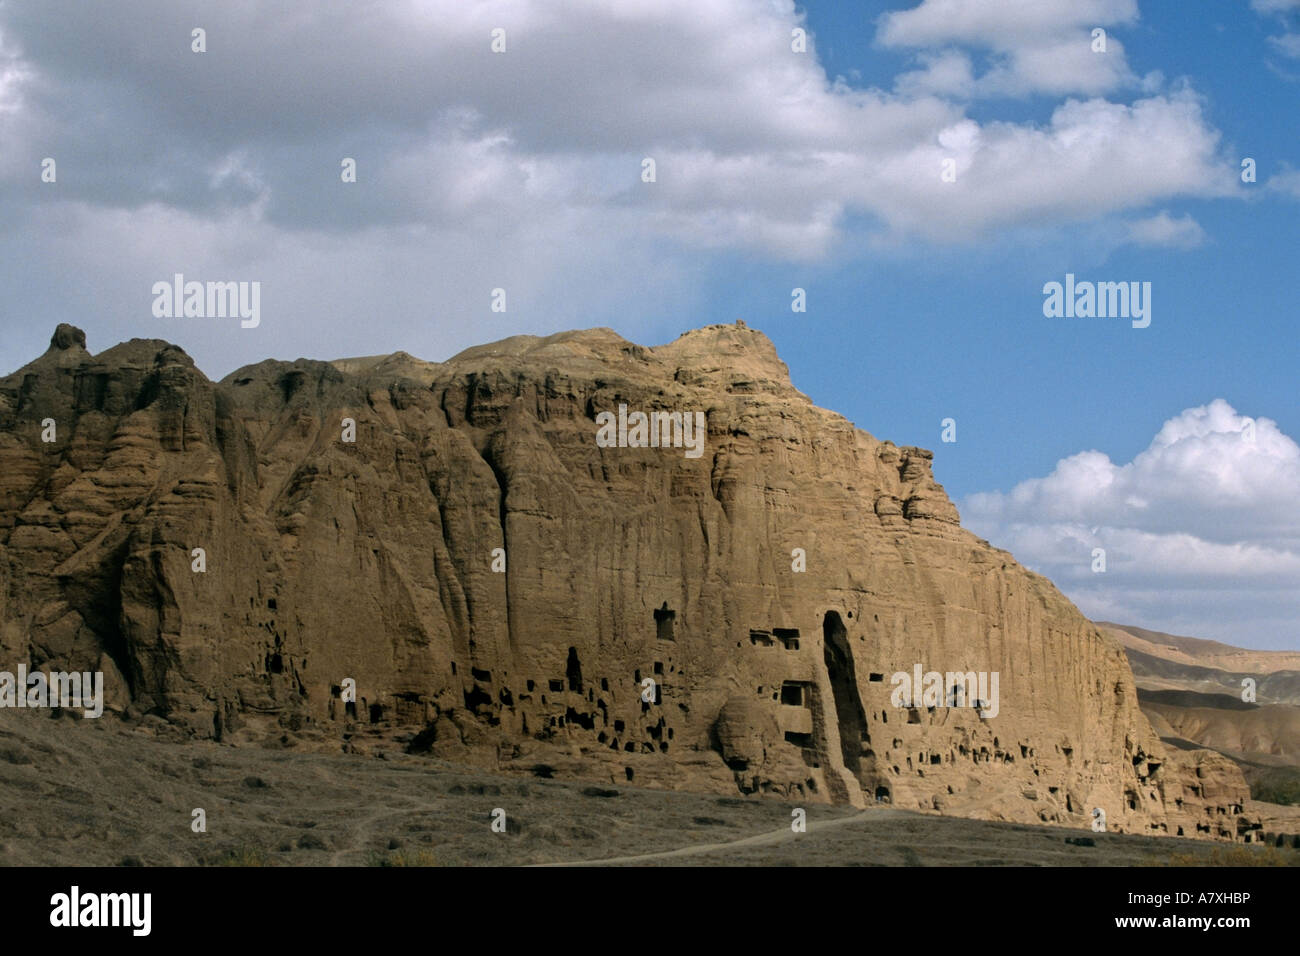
{"type": "Point", "coordinates": [664, 618]}
{"type": "Point", "coordinates": [573, 671]}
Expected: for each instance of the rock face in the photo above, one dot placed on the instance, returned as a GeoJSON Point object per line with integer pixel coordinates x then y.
{"type": "Point", "coordinates": [507, 592]}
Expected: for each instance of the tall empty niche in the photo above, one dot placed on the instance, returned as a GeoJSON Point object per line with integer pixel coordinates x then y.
{"type": "Point", "coordinates": [664, 622]}
{"type": "Point", "coordinates": [573, 671]}
{"type": "Point", "coordinates": [844, 688]}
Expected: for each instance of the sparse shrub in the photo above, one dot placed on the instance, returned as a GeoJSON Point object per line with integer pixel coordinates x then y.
{"type": "Point", "coordinates": [243, 856]}
{"type": "Point", "coordinates": [1235, 856]}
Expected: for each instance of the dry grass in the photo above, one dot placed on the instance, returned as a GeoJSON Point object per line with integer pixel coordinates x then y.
{"type": "Point", "coordinates": [1235, 856]}
{"type": "Point", "coordinates": [244, 856]}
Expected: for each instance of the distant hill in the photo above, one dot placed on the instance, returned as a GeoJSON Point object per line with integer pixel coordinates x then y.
{"type": "Point", "coordinates": [1191, 691]}
{"type": "Point", "coordinates": [1199, 652]}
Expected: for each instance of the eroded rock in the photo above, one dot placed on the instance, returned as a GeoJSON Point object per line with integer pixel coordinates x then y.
{"type": "Point", "coordinates": [377, 560]}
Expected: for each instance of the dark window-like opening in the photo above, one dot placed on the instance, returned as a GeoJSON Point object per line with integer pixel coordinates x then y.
{"type": "Point", "coordinates": [557, 686]}
{"type": "Point", "coordinates": [573, 671]}
{"type": "Point", "coordinates": [479, 674]}
{"type": "Point", "coordinates": [376, 713]}
{"type": "Point", "coordinates": [788, 636]}
{"type": "Point", "coordinates": [792, 694]}
{"type": "Point", "coordinates": [585, 721]}
{"type": "Point", "coordinates": [761, 639]}
{"type": "Point", "coordinates": [799, 740]}
{"type": "Point", "coordinates": [664, 622]}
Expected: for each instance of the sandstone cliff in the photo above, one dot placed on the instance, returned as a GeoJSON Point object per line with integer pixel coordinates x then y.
{"type": "Point", "coordinates": [327, 559]}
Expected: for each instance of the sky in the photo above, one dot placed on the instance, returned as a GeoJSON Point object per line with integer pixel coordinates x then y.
{"type": "Point", "coordinates": [1171, 447]}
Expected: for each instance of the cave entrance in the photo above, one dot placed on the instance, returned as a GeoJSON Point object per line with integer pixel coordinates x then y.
{"type": "Point", "coordinates": [664, 618]}
{"type": "Point", "coordinates": [844, 688]}
{"type": "Point", "coordinates": [573, 671]}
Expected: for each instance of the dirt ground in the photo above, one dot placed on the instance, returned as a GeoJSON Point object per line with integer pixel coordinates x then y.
{"type": "Point", "coordinates": [76, 792]}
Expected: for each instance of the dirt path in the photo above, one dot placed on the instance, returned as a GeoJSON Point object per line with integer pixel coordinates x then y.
{"type": "Point", "coordinates": [770, 838]}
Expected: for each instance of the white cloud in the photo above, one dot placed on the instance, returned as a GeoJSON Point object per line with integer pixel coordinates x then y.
{"type": "Point", "coordinates": [1287, 181]}
{"type": "Point", "coordinates": [1162, 229]}
{"type": "Point", "coordinates": [1274, 6]}
{"type": "Point", "coordinates": [536, 153]}
{"type": "Point", "coordinates": [1037, 46]}
{"type": "Point", "coordinates": [755, 148]}
{"type": "Point", "coordinates": [942, 73]}
{"type": "Point", "coordinates": [993, 23]}
{"type": "Point", "coordinates": [1200, 527]}
{"type": "Point", "coordinates": [1288, 44]}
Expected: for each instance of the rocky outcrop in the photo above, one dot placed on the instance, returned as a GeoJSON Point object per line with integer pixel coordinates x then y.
{"type": "Point", "coordinates": [507, 591]}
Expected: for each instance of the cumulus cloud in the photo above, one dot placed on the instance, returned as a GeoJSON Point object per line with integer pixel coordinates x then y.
{"type": "Point", "coordinates": [531, 159]}
{"type": "Point", "coordinates": [1036, 46]}
{"type": "Point", "coordinates": [1200, 527]}
{"type": "Point", "coordinates": [754, 146]}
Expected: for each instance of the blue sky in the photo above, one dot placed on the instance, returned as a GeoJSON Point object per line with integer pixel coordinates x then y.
{"type": "Point", "coordinates": [776, 169]}
{"type": "Point", "coordinates": [899, 342]}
